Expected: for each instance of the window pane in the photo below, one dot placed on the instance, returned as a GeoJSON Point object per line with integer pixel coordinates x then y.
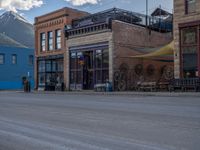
{"type": "Point", "coordinates": [73, 61]}
{"type": "Point", "coordinates": [79, 77]}
{"type": "Point", "coordinates": [58, 32]}
{"type": "Point", "coordinates": [98, 59]}
{"type": "Point", "coordinates": [48, 66]}
{"type": "Point", "coordinates": [98, 76]}
{"type": "Point", "coordinates": [1, 58]}
{"type": "Point", "coordinates": [105, 59]}
{"type": "Point", "coordinates": [54, 66]}
{"type": "Point", "coordinates": [80, 60]}
{"type": "Point", "coordinates": [41, 79]}
{"type": "Point", "coordinates": [58, 39]}
{"type": "Point", "coordinates": [105, 76]}
{"type": "Point", "coordinates": [14, 59]}
{"type": "Point", "coordinates": [59, 46]}
{"type": "Point", "coordinates": [189, 65]}
{"type": "Point", "coordinates": [42, 41]}
{"type": "Point", "coordinates": [189, 50]}
{"type": "Point", "coordinates": [191, 6]}
{"type": "Point", "coordinates": [72, 77]}
{"type": "Point", "coordinates": [50, 40]}
{"type": "Point", "coordinates": [41, 66]}
{"type": "Point", "coordinates": [30, 61]}
{"type": "Point", "coordinates": [189, 36]}
{"type": "Point", "coordinates": [60, 66]}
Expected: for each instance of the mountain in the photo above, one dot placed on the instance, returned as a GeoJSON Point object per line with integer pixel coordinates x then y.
{"type": "Point", "coordinates": [7, 41]}
{"type": "Point", "coordinates": [17, 28]}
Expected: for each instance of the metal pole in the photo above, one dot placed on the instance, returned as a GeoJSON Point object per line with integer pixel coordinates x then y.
{"type": "Point", "coordinates": [146, 13]}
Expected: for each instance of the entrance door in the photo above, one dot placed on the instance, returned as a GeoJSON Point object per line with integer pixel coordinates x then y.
{"type": "Point", "coordinates": [88, 70]}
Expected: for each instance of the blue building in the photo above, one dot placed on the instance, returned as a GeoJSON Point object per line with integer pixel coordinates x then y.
{"type": "Point", "coordinates": [16, 62]}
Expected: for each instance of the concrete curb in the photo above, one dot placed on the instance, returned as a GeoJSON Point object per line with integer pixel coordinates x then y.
{"type": "Point", "coordinates": [158, 94]}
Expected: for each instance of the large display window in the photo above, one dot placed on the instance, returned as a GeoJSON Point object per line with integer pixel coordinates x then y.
{"type": "Point", "coordinates": [88, 67]}
{"type": "Point", "coordinates": [50, 73]}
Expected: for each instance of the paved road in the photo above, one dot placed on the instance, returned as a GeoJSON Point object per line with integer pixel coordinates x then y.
{"type": "Point", "coordinates": [89, 122]}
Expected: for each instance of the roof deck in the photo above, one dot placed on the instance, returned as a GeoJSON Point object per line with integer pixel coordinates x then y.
{"type": "Point", "coordinates": [102, 20]}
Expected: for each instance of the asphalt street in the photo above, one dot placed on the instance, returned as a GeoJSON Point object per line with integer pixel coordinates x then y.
{"type": "Point", "coordinates": [36, 121]}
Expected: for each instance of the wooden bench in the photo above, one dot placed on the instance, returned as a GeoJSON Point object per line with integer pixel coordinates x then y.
{"type": "Point", "coordinates": [152, 86]}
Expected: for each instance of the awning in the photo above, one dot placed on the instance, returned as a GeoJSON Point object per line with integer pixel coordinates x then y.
{"type": "Point", "coordinates": [165, 51]}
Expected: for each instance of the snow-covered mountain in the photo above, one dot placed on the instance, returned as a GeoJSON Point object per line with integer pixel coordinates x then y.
{"type": "Point", "coordinates": [16, 27]}
{"type": "Point", "coordinates": [7, 41]}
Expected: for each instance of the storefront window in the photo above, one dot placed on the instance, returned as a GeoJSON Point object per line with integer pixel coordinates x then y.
{"type": "Point", "coordinates": [41, 79]}
{"type": "Point", "coordinates": [73, 61]}
{"type": "Point", "coordinates": [60, 66]}
{"type": "Point", "coordinates": [50, 72]}
{"type": "Point", "coordinates": [98, 59]}
{"type": "Point", "coordinates": [72, 77]}
{"type": "Point", "coordinates": [48, 66]}
{"type": "Point", "coordinates": [41, 66]}
{"type": "Point", "coordinates": [105, 59]}
{"type": "Point", "coordinates": [88, 67]}
{"type": "Point", "coordinates": [189, 52]}
{"type": "Point", "coordinates": [80, 60]}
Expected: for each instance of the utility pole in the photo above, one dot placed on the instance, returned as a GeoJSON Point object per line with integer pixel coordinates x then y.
{"type": "Point", "coordinates": [146, 13]}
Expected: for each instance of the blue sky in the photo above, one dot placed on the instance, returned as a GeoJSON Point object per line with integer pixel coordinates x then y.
{"type": "Point", "coordinates": [33, 8]}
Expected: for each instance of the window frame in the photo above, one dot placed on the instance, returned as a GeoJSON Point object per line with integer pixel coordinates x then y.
{"type": "Point", "coordinates": [3, 59]}
{"type": "Point", "coordinates": [31, 60]}
{"type": "Point", "coordinates": [58, 39]}
{"type": "Point", "coordinates": [50, 40]}
{"type": "Point", "coordinates": [14, 59]}
{"type": "Point", "coordinates": [185, 53]}
{"type": "Point", "coordinates": [42, 42]}
{"type": "Point", "coordinates": [188, 5]}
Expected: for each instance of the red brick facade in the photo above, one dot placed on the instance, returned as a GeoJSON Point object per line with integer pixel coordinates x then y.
{"type": "Point", "coordinates": [53, 21]}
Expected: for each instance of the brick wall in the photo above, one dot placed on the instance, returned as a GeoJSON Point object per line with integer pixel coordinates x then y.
{"type": "Point", "coordinates": [127, 39]}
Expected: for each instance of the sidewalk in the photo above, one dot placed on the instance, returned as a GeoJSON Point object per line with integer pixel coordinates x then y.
{"type": "Point", "coordinates": [126, 93]}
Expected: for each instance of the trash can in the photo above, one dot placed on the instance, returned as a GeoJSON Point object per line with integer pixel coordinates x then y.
{"type": "Point", "coordinates": [108, 87]}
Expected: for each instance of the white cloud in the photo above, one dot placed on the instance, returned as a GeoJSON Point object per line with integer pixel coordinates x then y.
{"type": "Point", "coordinates": [15, 5]}
{"type": "Point", "coordinates": [82, 2]}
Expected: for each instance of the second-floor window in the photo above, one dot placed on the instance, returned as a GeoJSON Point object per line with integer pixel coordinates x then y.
{"type": "Point", "coordinates": [14, 59]}
{"type": "Point", "coordinates": [1, 59]}
{"type": "Point", "coordinates": [190, 6]}
{"type": "Point", "coordinates": [58, 39]}
{"type": "Point", "coordinates": [42, 42]}
{"type": "Point", "coordinates": [30, 60]}
{"type": "Point", "coordinates": [50, 40]}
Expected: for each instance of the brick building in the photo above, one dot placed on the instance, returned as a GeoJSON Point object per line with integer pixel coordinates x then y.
{"type": "Point", "coordinates": [187, 38]}
{"type": "Point", "coordinates": [99, 47]}
{"type": "Point", "coordinates": [50, 47]}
